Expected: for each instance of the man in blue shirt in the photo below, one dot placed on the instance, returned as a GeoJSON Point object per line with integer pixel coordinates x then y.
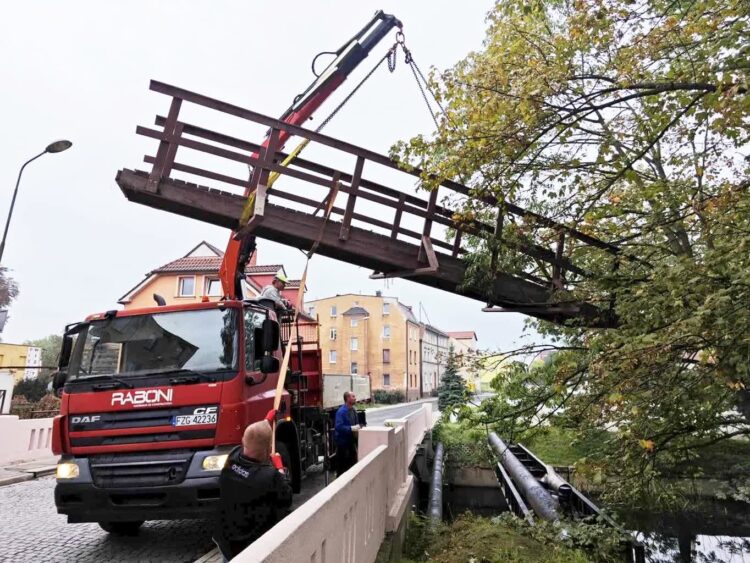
{"type": "Point", "coordinates": [343, 435]}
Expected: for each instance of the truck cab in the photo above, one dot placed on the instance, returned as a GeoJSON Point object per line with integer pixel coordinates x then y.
{"type": "Point", "coordinates": [154, 399]}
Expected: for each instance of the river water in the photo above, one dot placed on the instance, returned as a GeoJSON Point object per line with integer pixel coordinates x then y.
{"type": "Point", "coordinates": [710, 531]}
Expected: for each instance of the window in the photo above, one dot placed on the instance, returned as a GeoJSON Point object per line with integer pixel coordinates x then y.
{"type": "Point", "coordinates": [213, 287]}
{"type": "Point", "coordinates": [332, 357]}
{"type": "Point", "coordinates": [386, 380]}
{"type": "Point", "coordinates": [333, 310]}
{"type": "Point", "coordinates": [253, 321]}
{"type": "Point", "coordinates": [354, 368]}
{"type": "Point", "coordinates": [386, 355]}
{"type": "Point", "coordinates": [354, 322]}
{"type": "Point", "coordinates": [386, 331]}
{"type": "Point", "coordinates": [186, 286]}
{"type": "Point", "coordinates": [386, 308]}
{"type": "Point", "coordinates": [354, 344]}
{"type": "Point", "coordinates": [311, 311]}
{"type": "Point", "coordinates": [333, 334]}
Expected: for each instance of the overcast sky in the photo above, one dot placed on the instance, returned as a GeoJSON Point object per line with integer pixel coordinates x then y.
{"type": "Point", "coordinates": [80, 70]}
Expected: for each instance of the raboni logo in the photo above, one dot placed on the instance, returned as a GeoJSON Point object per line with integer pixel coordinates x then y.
{"type": "Point", "coordinates": [142, 397]}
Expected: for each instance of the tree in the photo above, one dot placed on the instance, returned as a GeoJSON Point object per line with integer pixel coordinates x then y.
{"type": "Point", "coordinates": [32, 389]}
{"type": "Point", "coordinates": [629, 121]}
{"type": "Point", "coordinates": [452, 391]}
{"type": "Point", "coordinates": [8, 288]}
{"type": "Point", "coordinates": [50, 346]}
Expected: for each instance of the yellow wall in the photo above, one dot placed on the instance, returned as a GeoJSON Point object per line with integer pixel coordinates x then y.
{"type": "Point", "coordinates": [166, 286]}
{"type": "Point", "coordinates": [371, 342]}
{"type": "Point", "coordinates": [14, 355]}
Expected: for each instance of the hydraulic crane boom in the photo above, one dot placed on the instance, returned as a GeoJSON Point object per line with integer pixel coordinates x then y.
{"type": "Point", "coordinates": [348, 57]}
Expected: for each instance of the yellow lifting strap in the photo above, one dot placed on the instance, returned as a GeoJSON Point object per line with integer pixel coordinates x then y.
{"type": "Point", "coordinates": [298, 305]}
{"type": "Point", "coordinates": [247, 209]}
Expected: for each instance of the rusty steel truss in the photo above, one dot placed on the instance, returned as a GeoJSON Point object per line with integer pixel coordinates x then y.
{"type": "Point", "coordinates": [384, 243]}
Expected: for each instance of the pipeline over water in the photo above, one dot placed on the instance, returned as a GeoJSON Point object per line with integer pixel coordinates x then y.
{"type": "Point", "coordinates": [435, 508]}
{"type": "Point", "coordinates": [537, 496]}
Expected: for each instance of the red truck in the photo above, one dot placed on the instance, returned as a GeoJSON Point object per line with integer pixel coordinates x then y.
{"type": "Point", "coordinates": [153, 399]}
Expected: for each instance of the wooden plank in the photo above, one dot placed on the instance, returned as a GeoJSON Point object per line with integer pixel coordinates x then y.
{"type": "Point", "coordinates": [157, 172]}
{"type": "Point", "coordinates": [353, 189]}
{"type": "Point", "coordinates": [363, 248]}
{"type": "Point", "coordinates": [397, 218]}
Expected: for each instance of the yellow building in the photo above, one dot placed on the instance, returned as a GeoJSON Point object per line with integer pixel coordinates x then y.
{"type": "Point", "coordinates": [370, 335]}
{"type": "Point", "coordinates": [14, 358]}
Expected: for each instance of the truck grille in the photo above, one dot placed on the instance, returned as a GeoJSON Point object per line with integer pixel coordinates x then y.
{"type": "Point", "coordinates": [140, 470]}
{"type": "Point", "coordinates": [136, 418]}
{"type": "Point", "coordinates": [157, 438]}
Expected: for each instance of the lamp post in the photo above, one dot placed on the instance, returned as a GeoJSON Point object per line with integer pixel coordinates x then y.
{"type": "Point", "coordinates": [57, 146]}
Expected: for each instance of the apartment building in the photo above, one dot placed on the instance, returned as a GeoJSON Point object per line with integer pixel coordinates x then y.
{"type": "Point", "coordinates": [465, 347]}
{"type": "Point", "coordinates": [435, 345]}
{"type": "Point", "coordinates": [370, 335]}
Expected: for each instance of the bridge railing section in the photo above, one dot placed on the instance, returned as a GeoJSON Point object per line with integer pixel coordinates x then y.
{"type": "Point", "coordinates": [554, 254]}
{"type": "Point", "coordinates": [348, 520]}
{"type": "Point", "coordinates": [22, 439]}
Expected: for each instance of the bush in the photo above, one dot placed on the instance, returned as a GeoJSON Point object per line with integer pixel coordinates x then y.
{"type": "Point", "coordinates": [385, 397]}
{"type": "Point", "coordinates": [48, 405]}
{"type": "Point", "coordinates": [32, 389]}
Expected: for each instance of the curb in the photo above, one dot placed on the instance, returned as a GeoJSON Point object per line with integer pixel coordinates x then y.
{"type": "Point", "coordinates": [13, 479]}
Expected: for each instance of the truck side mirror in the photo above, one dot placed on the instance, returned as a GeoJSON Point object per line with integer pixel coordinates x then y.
{"type": "Point", "coordinates": [58, 382]}
{"type": "Point", "coordinates": [269, 364]}
{"type": "Point", "coordinates": [270, 336]}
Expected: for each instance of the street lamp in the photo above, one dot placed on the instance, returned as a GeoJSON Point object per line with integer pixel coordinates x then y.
{"type": "Point", "coordinates": [57, 146]}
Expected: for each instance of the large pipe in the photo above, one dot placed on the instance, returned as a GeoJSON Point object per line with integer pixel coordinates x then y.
{"type": "Point", "coordinates": [435, 508]}
{"type": "Point", "coordinates": [536, 495]}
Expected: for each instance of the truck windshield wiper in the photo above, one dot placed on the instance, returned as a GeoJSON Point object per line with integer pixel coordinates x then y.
{"type": "Point", "coordinates": [186, 375]}
{"type": "Point", "coordinates": [115, 382]}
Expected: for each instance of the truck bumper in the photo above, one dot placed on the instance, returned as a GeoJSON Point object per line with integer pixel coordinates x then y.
{"type": "Point", "coordinates": [81, 500]}
{"type": "Point", "coordinates": [84, 502]}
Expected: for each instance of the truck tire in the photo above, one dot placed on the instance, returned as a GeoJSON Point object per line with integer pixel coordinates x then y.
{"type": "Point", "coordinates": [121, 528]}
{"type": "Point", "coordinates": [283, 450]}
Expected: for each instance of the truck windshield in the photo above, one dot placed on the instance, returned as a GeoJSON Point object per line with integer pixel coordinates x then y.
{"type": "Point", "coordinates": [203, 341]}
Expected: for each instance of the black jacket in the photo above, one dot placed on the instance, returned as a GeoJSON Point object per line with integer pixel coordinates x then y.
{"type": "Point", "coordinates": [254, 497]}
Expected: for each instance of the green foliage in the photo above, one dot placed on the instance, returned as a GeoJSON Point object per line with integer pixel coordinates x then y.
{"type": "Point", "coordinates": [471, 538]}
{"type": "Point", "coordinates": [8, 288]}
{"type": "Point", "coordinates": [32, 389]}
{"type": "Point", "coordinates": [560, 446]}
{"type": "Point", "coordinates": [629, 121]}
{"type": "Point", "coordinates": [452, 392]}
{"type": "Point", "coordinates": [386, 397]}
{"type": "Point", "coordinates": [50, 346]}
{"type": "Point", "coordinates": [465, 444]}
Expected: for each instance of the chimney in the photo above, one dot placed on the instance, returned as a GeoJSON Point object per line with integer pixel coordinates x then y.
{"type": "Point", "coordinates": [378, 293]}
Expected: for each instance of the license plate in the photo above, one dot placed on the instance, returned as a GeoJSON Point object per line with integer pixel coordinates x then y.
{"type": "Point", "coordinates": [194, 419]}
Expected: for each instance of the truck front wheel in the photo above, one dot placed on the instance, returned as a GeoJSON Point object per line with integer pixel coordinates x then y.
{"type": "Point", "coordinates": [121, 528]}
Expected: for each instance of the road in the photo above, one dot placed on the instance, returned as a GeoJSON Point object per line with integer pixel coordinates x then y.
{"type": "Point", "coordinates": [33, 531]}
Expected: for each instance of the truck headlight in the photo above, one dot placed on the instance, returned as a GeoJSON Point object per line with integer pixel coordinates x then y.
{"type": "Point", "coordinates": [214, 462]}
{"type": "Point", "coordinates": [67, 470]}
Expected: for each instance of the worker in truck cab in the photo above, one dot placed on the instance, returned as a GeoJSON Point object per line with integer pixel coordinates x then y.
{"type": "Point", "coordinates": [344, 434]}
{"type": "Point", "coordinates": [254, 490]}
{"type": "Point", "coordinates": [273, 291]}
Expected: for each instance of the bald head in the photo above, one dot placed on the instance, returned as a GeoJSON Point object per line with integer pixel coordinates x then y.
{"type": "Point", "coordinates": [256, 441]}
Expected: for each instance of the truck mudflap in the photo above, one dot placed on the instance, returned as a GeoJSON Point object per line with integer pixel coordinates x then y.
{"type": "Point", "coordinates": [95, 494]}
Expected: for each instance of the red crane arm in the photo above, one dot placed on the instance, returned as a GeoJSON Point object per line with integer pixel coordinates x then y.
{"type": "Point", "coordinates": [348, 57]}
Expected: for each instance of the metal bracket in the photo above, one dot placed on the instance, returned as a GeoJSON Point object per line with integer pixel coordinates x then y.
{"type": "Point", "coordinates": [432, 259]}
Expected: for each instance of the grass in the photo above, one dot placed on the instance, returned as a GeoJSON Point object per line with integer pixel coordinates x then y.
{"type": "Point", "coordinates": [472, 538]}
{"type": "Point", "coordinates": [558, 446]}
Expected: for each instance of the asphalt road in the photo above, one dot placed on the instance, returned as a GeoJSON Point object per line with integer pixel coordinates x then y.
{"type": "Point", "coordinates": [31, 529]}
